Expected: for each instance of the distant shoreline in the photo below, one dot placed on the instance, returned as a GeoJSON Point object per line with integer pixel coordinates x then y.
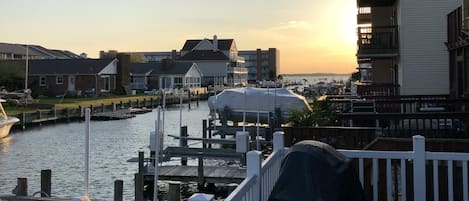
{"type": "Point", "coordinates": [318, 74]}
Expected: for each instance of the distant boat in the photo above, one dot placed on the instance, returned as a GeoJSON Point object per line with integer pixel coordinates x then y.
{"type": "Point", "coordinates": [230, 104]}
{"type": "Point", "coordinates": [6, 122]}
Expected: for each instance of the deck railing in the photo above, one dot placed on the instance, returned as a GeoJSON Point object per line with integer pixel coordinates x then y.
{"type": "Point", "coordinates": [260, 176]}
{"type": "Point", "coordinates": [399, 184]}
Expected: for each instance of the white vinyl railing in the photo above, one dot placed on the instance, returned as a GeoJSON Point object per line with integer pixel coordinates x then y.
{"type": "Point", "coordinates": [260, 175]}
{"type": "Point", "coordinates": [396, 163]}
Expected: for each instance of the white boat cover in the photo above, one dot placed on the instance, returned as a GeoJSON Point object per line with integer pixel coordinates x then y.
{"type": "Point", "coordinates": [255, 100]}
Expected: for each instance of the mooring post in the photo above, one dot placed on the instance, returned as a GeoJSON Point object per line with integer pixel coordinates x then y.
{"type": "Point", "coordinates": [174, 192]}
{"type": "Point", "coordinates": [141, 156]}
{"type": "Point", "coordinates": [102, 107]}
{"type": "Point", "coordinates": [118, 190]}
{"type": "Point", "coordinates": [189, 98]}
{"type": "Point", "coordinates": [204, 133]}
{"type": "Point", "coordinates": [22, 187]}
{"type": "Point", "coordinates": [46, 185]}
{"type": "Point", "coordinates": [183, 143]}
{"type": "Point", "coordinates": [139, 186]}
{"type": "Point", "coordinates": [197, 98]}
{"type": "Point", "coordinates": [200, 172]}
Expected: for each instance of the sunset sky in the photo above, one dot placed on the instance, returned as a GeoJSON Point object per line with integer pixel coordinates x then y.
{"type": "Point", "coordinates": [313, 36]}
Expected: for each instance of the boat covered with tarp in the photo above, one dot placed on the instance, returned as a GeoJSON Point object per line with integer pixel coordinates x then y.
{"type": "Point", "coordinates": [258, 104]}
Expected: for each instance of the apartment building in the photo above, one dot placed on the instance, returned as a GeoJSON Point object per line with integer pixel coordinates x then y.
{"type": "Point", "coordinates": [261, 64]}
{"type": "Point", "coordinates": [401, 46]}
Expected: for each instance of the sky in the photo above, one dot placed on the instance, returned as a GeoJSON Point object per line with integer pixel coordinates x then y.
{"type": "Point", "coordinates": [312, 36]}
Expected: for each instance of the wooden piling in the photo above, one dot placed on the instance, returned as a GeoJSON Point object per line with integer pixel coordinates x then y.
{"type": "Point", "coordinates": [141, 157]}
{"type": "Point", "coordinates": [189, 99]}
{"type": "Point", "coordinates": [118, 190]}
{"type": "Point", "coordinates": [183, 143]}
{"type": "Point", "coordinates": [174, 192]}
{"type": "Point", "coordinates": [204, 132]}
{"type": "Point", "coordinates": [22, 187]}
{"type": "Point", "coordinates": [46, 185]}
{"type": "Point", "coordinates": [139, 186]}
{"type": "Point", "coordinates": [102, 107]}
{"type": "Point", "coordinates": [197, 98]}
{"type": "Point", "coordinates": [200, 173]}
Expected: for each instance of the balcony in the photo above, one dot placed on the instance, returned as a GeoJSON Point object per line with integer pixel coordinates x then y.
{"type": "Point", "coordinates": [377, 42]}
{"type": "Point", "coordinates": [364, 15]}
{"type": "Point", "coordinates": [375, 3]}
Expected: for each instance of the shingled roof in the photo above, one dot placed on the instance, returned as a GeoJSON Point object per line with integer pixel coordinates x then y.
{"type": "Point", "coordinates": [158, 68]}
{"type": "Point", "coordinates": [68, 66]}
{"type": "Point", "coordinates": [223, 44]}
{"type": "Point", "coordinates": [36, 50]}
{"type": "Point", "coordinates": [204, 55]}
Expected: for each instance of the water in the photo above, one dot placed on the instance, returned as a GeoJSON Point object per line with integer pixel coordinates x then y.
{"type": "Point", "coordinates": [60, 148]}
{"type": "Point", "coordinates": [315, 78]}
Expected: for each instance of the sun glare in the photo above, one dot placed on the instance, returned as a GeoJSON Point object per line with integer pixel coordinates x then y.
{"type": "Point", "coordinates": [349, 25]}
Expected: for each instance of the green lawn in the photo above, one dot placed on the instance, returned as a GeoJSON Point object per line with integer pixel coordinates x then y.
{"type": "Point", "coordinates": [59, 103]}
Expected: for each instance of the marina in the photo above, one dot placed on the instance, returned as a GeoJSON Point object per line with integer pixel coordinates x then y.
{"type": "Point", "coordinates": [59, 148]}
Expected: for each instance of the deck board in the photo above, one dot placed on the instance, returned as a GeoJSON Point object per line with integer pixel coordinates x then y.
{"type": "Point", "coordinates": [189, 173]}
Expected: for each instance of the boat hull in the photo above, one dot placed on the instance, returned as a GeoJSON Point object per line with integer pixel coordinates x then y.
{"type": "Point", "coordinates": [5, 126]}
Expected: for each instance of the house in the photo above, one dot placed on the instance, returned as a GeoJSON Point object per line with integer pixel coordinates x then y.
{"type": "Point", "coordinates": [458, 47]}
{"type": "Point", "coordinates": [261, 64]}
{"type": "Point", "coordinates": [10, 51]}
{"type": "Point", "coordinates": [218, 61]}
{"type": "Point", "coordinates": [165, 75]}
{"type": "Point", "coordinates": [401, 44]}
{"type": "Point", "coordinates": [75, 76]}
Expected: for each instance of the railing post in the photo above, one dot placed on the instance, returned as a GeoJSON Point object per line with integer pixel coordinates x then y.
{"type": "Point", "coordinates": [279, 143]}
{"type": "Point", "coordinates": [242, 144]}
{"type": "Point", "coordinates": [419, 168]}
{"type": "Point", "coordinates": [254, 162]}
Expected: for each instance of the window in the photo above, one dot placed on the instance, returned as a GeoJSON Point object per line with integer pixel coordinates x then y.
{"type": "Point", "coordinates": [178, 82]}
{"type": "Point", "coordinates": [105, 83]}
{"type": "Point", "coordinates": [59, 79]}
{"type": "Point", "coordinates": [42, 81]}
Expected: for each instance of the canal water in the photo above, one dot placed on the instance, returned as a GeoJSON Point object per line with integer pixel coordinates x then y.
{"type": "Point", "coordinates": [60, 148]}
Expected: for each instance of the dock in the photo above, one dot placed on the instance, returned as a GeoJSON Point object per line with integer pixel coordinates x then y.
{"type": "Point", "coordinates": [211, 174]}
{"type": "Point", "coordinates": [29, 198]}
{"type": "Point", "coordinates": [116, 115]}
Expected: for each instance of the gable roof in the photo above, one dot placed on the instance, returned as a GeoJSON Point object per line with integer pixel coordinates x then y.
{"type": "Point", "coordinates": [204, 55]}
{"type": "Point", "coordinates": [68, 66]}
{"type": "Point", "coordinates": [158, 68]}
{"type": "Point", "coordinates": [36, 50]}
{"type": "Point", "coordinates": [223, 44]}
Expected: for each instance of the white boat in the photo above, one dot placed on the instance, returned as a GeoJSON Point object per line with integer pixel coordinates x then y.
{"type": "Point", "coordinates": [6, 122]}
{"type": "Point", "coordinates": [231, 104]}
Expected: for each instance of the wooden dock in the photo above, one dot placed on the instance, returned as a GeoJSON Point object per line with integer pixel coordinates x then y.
{"type": "Point", "coordinates": [212, 174]}
{"type": "Point", "coordinates": [29, 198]}
{"type": "Point", "coordinates": [201, 152]}
{"type": "Point", "coordinates": [116, 115]}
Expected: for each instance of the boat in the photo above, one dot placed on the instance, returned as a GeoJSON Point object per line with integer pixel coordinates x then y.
{"type": "Point", "coordinates": [6, 122]}
{"type": "Point", "coordinates": [256, 104]}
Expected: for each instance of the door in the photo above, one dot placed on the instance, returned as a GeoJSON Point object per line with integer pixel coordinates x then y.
{"type": "Point", "coordinates": [71, 83]}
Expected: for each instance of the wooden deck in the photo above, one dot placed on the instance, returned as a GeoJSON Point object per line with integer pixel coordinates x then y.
{"type": "Point", "coordinates": [212, 174]}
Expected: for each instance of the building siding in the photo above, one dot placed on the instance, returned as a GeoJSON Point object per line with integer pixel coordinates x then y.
{"type": "Point", "coordinates": [424, 64]}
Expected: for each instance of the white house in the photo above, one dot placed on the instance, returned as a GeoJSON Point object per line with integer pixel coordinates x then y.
{"type": "Point", "coordinates": [218, 61]}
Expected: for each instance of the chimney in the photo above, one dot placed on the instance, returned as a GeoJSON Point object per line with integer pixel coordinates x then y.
{"type": "Point", "coordinates": [215, 43]}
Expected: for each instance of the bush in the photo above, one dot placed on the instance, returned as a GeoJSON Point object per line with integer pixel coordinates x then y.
{"type": "Point", "coordinates": [321, 114]}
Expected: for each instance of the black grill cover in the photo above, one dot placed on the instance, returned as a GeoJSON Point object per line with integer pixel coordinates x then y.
{"type": "Point", "coordinates": [315, 171]}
